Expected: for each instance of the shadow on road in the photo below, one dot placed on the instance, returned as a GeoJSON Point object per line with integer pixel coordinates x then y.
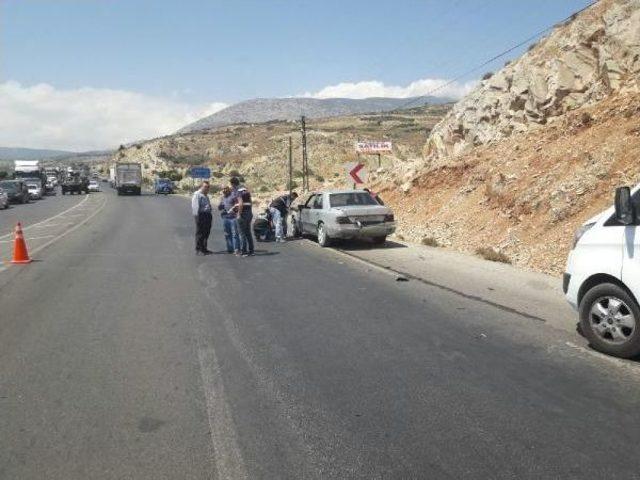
{"type": "Point", "coordinates": [265, 253]}
{"type": "Point", "coordinates": [354, 245]}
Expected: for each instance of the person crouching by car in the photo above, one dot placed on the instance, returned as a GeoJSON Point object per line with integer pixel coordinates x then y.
{"type": "Point", "coordinates": [278, 209]}
{"type": "Point", "coordinates": [242, 200]}
{"type": "Point", "coordinates": [228, 214]}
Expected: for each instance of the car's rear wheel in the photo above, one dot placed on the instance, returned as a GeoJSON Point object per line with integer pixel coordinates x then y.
{"type": "Point", "coordinates": [323, 237]}
{"type": "Point", "coordinates": [379, 240]}
{"type": "Point", "coordinates": [609, 319]}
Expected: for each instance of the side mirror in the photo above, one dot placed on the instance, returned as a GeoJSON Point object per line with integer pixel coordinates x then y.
{"type": "Point", "coordinates": [624, 208]}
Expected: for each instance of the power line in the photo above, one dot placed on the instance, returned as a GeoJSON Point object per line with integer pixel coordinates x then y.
{"type": "Point", "coordinates": [494, 58]}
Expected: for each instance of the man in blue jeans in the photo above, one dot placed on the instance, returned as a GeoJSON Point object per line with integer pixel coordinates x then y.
{"type": "Point", "coordinates": [242, 200]}
{"type": "Point", "coordinates": [228, 214]}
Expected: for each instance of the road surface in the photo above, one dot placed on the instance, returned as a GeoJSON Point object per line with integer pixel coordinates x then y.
{"type": "Point", "coordinates": [123, 355]}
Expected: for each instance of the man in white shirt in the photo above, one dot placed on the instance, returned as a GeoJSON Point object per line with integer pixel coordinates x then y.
{"type": "Point", "coordinates": [201, 209]}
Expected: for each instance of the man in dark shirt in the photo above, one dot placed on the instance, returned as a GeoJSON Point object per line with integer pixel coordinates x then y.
{"type": "Point", "coordinates": [242, 199]}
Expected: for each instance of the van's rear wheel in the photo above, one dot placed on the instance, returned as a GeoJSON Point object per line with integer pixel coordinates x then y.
{"type": "Point", "coordinates": [609, 319]}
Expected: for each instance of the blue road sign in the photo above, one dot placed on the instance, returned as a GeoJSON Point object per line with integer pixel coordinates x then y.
{"type": "Point", "coordinates": [200, 172]}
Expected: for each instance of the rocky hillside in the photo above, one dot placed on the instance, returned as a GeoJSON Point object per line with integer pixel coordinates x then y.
{"type": "Point", "coordinates": [259, 152]}
{"type": "Point", "coordinates": [520, 163]}
{"type": "Point", "coordinates": [580, 63]}
{"type": "Point", "coordinates": [262, 110]}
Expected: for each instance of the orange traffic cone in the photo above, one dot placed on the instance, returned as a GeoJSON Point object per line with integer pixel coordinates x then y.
{"type": "Point", "coordinates": [20, 253]}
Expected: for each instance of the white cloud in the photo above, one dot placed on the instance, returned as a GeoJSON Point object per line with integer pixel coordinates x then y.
{"type": "Point", "coordinates": [428, 86]}
{"type": "Point", "coordinates": [41, 116]}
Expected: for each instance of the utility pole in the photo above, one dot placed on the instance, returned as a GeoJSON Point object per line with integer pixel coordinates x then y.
{"type": "Point", "coordinates": [290, 167]}
{"type": "Point", "coordinates": [305, 164]}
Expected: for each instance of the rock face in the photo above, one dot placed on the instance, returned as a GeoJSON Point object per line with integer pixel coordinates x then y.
{"type": "Point", "coordinates": [579, 63]}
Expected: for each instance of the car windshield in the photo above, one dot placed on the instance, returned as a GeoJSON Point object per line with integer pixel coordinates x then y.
{"type": "Point", "coordinates": [351, 199]}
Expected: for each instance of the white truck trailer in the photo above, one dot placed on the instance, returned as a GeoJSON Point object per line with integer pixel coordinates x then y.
{"type": "Point", "coordinates": [129, 178]}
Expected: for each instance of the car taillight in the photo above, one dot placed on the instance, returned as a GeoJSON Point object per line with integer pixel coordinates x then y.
{"type": "Point", "coordinates": [343, 220]}
{"type": "Point", "coordinates": [389, 218]}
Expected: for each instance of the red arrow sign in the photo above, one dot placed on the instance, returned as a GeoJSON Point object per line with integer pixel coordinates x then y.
{"type": "Point", "coordinates": [354, 173]}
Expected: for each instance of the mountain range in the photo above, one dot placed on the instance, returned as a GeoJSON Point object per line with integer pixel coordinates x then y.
{"type": "Point", "coordinates": [261, 110]}
{"type": "Point", "coordinates": [11, 153]}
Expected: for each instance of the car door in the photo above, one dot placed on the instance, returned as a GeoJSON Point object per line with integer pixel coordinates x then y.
{"type": "Point", "coordinates": [305, 220]}
{"type": "Point", "coordinates": [631, 250]}
{"type": "Point", "coordinates": [316, 212]}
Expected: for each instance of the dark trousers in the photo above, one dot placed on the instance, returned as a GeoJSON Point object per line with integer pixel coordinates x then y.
{"type": "Point", "coordinates": [244, 232]}
{"type": "Point", "coordinates": [203, 228]}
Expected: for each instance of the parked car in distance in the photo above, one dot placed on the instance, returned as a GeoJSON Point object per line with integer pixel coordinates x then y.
{"type": "Point", "coordinates": [94, 186]}
{"type": "Point", "coordinates": [341, 214]}
{"type": "Point", "coordinates": [4, 199]}
{"type": "Point", "coordinates": [602, 277]}
{"type": "Point", "coordinates": [35, 189]}
{"type": "Point", "coordinates": [16, 190]}
{"type": "Point", "coordinates": [163, 185]}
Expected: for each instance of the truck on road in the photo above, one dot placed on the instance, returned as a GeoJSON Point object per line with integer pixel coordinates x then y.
{"type": "Point", "coordinates": [74, 182]}
{"type": "Point", "coordinates": [29, 169]}
{"type": "Point", "coordinates": [129, 178]}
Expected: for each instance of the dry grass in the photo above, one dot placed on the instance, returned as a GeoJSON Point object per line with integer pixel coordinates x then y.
{"type": "Point", "coordinates": [492, 255]}
{"type": "Point", "coordinates": [429, 242]}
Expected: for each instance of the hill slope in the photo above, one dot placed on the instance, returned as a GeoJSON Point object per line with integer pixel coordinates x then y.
{"type": "Point", "coordinates": [259, 152]}
{"type": "Point", "coordinates": [535, 150]}
{"type": "Point", "coordinates": [262, 110]}
{"type": "Point", "coordinates": [580, 63]}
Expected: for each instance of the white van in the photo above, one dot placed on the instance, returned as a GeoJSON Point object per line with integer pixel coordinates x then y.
{"type": "Point", "coordinates": [602, 278]}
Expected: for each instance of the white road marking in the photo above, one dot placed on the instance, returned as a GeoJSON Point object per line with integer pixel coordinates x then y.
{"type": "Point", "coordinates": [51, 225]}
{"type": "Point", "coordinates": [46, 220]}
{"type": "Point", "coordinates": [228, 459]}
{"type": "Point", "coordinates": [229, 463]}
{"type": "Point", "coordinates": [72, 229]}
{"type": "Point", "coordinates": [62, 234]}
{"type": "Point", "coordinates": [29, 238]}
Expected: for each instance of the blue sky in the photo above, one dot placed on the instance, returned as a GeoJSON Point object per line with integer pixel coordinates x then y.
{"type": "Point", "coordinates": [195, 52]}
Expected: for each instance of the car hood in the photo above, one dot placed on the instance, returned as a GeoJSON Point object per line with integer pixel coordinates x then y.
{"type": "Point", "coordinates": [363, 210]}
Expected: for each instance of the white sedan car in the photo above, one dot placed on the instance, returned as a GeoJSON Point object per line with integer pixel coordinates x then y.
{"type": "Point", "coordinates": [35, 191]}
{"type": "Point", "coordinates": [94, 186]}
{"type": "Point", "coordinates": [342, 214]}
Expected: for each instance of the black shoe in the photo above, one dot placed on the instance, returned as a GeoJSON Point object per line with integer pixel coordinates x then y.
{"type": "Point", "coordinates": [199, 252]}
{"type": "Point", "coordinates": [207, 252]}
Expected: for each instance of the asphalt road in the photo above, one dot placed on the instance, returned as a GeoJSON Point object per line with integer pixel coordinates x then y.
{"type": "Point", "coordinates": [123, 355]}
{"type": "Point", "coordinates": [36, 210]}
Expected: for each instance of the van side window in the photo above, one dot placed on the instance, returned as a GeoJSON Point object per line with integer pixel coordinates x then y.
{"type": "Point", "coordinates": [612, 221]}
